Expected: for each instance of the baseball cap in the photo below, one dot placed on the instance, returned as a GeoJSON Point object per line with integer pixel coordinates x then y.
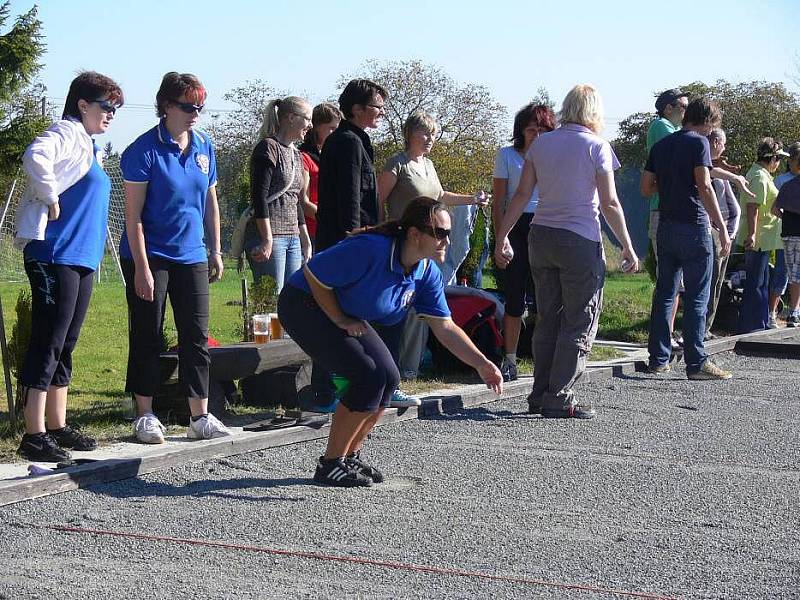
{"type": "Point", "coordinates": [669, 97]}
{"type": "Point", "coordinates": [768, 148]}
{"type": "Point", "coordinates": [794, 150]}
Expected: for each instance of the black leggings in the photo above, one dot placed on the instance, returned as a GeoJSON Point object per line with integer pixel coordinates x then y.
{"type": "Point", "coordinates": [59, 299]}
{"type": "Point", "coordinates": [364, 361]}
{"type": "Point", "coordinates": [187, 287]}
{"type": "Point", "coordinates": [517, 276]}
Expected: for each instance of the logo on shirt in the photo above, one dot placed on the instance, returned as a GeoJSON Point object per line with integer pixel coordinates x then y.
{"type": "Point", "coordinates": [407, 299]}
{"type": "Point", "coordinates": [202, 162]}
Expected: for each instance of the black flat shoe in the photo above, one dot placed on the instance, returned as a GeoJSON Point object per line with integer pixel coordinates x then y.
{"type": "Point", "coordinates": [576, 411]}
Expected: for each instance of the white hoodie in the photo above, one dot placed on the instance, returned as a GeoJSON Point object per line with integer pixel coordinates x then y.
{"type": "Point", "coordinates": [54, 162]}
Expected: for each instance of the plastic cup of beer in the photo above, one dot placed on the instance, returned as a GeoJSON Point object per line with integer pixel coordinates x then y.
{"type": "Point", "coordinates": [261, 329]}
{"type": "Point", "coordinates": [275, 328]}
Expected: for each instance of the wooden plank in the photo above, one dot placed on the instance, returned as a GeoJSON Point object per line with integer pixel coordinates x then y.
{"type": "Point", "coordinates": [235, 361]}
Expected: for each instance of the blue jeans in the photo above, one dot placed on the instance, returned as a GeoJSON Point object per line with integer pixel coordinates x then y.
{"type": "Point", "coordinates": [286, 258]}
{"type": "Point", "coordinates": [755, 304]}
{"type": "Point", "coordinates": [780, 279]}
{"type": "Point", "coordinates": [687, 247]}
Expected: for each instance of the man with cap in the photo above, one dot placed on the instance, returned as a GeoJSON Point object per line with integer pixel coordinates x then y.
{"type": "Point", "coordinates": [787, 208]}
{"type": "Point", "coordinates": [678, 168]}
{"type": "Point", "coordinates": [670, 108]}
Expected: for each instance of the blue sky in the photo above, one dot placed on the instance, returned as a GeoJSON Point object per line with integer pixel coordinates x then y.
{"type": "Point", "coordinates": [629, 50]}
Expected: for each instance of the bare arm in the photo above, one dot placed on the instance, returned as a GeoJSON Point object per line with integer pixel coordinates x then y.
{"type": "Point", "coordinates": [454, 339]}
{"type": "Point", "coordinates": [215, 265]}
{"type": "Point", "coordinates": [135, 194]}
{"type": "Point", "coordinates": [615, 217]}
{"type": "Point", "coordinates": [386, 182]}
{"type": "Point", "coordinates": [326, 299]}
{"type": "Point", "coordinates": [752, 225]}
{"type": "Point", "coordinates": [648, 184]}
{"type": "Point", "coordinates": [305, 242]}
{"type": "Point", "coordinates": [309, 208]}
{"type": "Point", "coordinates": [453, 199]}
{"type": "Point", "coordinates": [503, 252]}
{"type": "Point", "coordinates": [702, 179]}
{"type": "Point", "coordinates": [737, 180]}
{"type": "Point", "coordinates": [499, 190]}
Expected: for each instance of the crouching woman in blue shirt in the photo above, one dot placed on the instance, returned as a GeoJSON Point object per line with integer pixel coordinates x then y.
{"type": "Point", "coordinates": [373, 276]}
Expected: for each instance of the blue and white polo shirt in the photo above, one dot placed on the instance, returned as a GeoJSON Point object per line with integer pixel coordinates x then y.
{"type": "Point", "coordinates": [370, 283]}
{"type": "Point", "coordinates": [177, 186]}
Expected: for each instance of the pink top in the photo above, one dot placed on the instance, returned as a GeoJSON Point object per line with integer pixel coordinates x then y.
{"type": "Point", "coordinates": [567, 161]}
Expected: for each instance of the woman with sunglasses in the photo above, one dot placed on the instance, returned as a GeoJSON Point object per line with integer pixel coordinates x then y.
{"type": "Point", "coordinates": [279, 242]}
{"type": "Point", "coordinates": [171, 248]}
{"type": "Point", "coordinates": [61, 223]}
{"type": "Point", "coordinates": [328, 311]}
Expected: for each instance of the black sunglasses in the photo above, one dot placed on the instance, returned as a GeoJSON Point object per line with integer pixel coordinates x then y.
{"type": "Point", "coordinates": [188, 107]}
{"type": "Point", "coordinates": [107, 106]}
{"type": "Point", "coordinates": [440, 233]}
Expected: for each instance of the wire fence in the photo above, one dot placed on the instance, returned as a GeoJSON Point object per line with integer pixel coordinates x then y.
{"type": "Point", "coordinates": [12, 268]}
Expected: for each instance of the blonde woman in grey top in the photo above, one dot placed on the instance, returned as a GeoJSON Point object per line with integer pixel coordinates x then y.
{"type": "Point", "coordinates": [277, 242]}
{"type": "Point", "coordinates": [410, 174]}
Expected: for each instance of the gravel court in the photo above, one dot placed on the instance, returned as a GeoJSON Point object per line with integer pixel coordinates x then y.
{"type": "Point", "coordinates": [686, 489]}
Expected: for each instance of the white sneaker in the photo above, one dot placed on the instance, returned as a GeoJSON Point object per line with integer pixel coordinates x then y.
{"type": "Point", "coordinates": [149, 430]}
{"type": "Point", "coordinates": [402, 400]}
{"type": "Point", "coordinates": [207, 428]}
{"type": "Point", "coordinates": [772, 321]}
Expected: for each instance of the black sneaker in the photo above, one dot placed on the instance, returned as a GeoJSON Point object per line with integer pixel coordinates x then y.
{"type": "Point", "coordinates": [71, 437]}
{"type": "Point", "coordinates": [575, 411]}
{"type": "Point", "coordinates": [338, 473]}
{"type": "Point", "coordinates": [793, 320]}
{"type": "Point", "coordinates": [508, 370]}
{"type": "Point", "coordinates": [354, 461]}
{"type": "Point", "coordinates": [41, 447]}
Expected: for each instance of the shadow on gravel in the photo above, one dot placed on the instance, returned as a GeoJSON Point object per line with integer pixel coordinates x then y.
{"type": "Point", "coordinates": [478, 413]}
{"type": "Point", "coordinates": [138, 488]}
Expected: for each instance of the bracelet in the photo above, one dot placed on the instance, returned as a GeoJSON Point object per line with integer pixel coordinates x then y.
{"type": "Point", "coordinates": [217, 252]}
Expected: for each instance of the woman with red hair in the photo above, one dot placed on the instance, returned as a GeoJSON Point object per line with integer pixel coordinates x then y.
{"type": "Point", "coordinates": [171, 248]}
{"type": "Point", "coordinates": [529, 122]}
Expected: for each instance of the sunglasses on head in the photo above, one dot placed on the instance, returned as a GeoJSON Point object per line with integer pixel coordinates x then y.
{"type": "Point", "coordinates": [188, 107]}
{"type": "Point", "coordinates": [106, 106]}
{"type": "Point", "coordinates": [440, 233]}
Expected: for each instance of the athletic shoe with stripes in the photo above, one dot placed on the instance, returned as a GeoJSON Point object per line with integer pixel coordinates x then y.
{"type": "Point", "coordinates": [338, 473]}
{"type": "Point", "coordinates": [355, 461]}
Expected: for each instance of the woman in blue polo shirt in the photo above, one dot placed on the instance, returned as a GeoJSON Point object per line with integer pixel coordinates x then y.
{"type": "Point", "coordinates": [171, 248]}
{"type": "Point", "coordinates": [374, 276]}
{"type": "Point", "coordinates": [61, 222]}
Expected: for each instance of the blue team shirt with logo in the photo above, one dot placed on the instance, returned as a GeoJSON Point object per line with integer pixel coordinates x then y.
{"type": "Point", "coordinates": [370, 283]}
{"type": "Point", "coordinates": [177, 185]}
{"type": "Point", "coordinates": [78, 236]}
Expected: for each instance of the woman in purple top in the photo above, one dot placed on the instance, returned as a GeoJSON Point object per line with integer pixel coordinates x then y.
{"type": "Point", "coordinates": [574, 169]}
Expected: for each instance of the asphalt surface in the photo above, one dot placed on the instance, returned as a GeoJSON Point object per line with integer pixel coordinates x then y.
{"type": "Point", "coordinates": [677, 489]}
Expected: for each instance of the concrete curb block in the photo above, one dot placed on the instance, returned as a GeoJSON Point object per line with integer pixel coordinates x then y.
{"type": "Point", "coordinates": [435, 403]}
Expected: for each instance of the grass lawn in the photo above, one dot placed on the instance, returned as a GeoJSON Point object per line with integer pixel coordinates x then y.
{"type": "Point", "coordinates": [97, 393]}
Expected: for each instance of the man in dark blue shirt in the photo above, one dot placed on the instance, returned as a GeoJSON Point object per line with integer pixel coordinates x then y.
{"type": "Point", "coordinates": [678, 169]}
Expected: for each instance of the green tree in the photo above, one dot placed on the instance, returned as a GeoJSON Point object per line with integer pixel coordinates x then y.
{"type": "Point", "coordinates": [21, 118]}
{"type": "Point", "coordinates": [751, 111]}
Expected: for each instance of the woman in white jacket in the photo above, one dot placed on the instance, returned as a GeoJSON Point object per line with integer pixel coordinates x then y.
{"type": "Point", "coordinates": [61, 224]}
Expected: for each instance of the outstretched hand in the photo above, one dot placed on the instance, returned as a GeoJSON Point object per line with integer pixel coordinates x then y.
{"type": "Point", "coordinates": [491, 377]}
